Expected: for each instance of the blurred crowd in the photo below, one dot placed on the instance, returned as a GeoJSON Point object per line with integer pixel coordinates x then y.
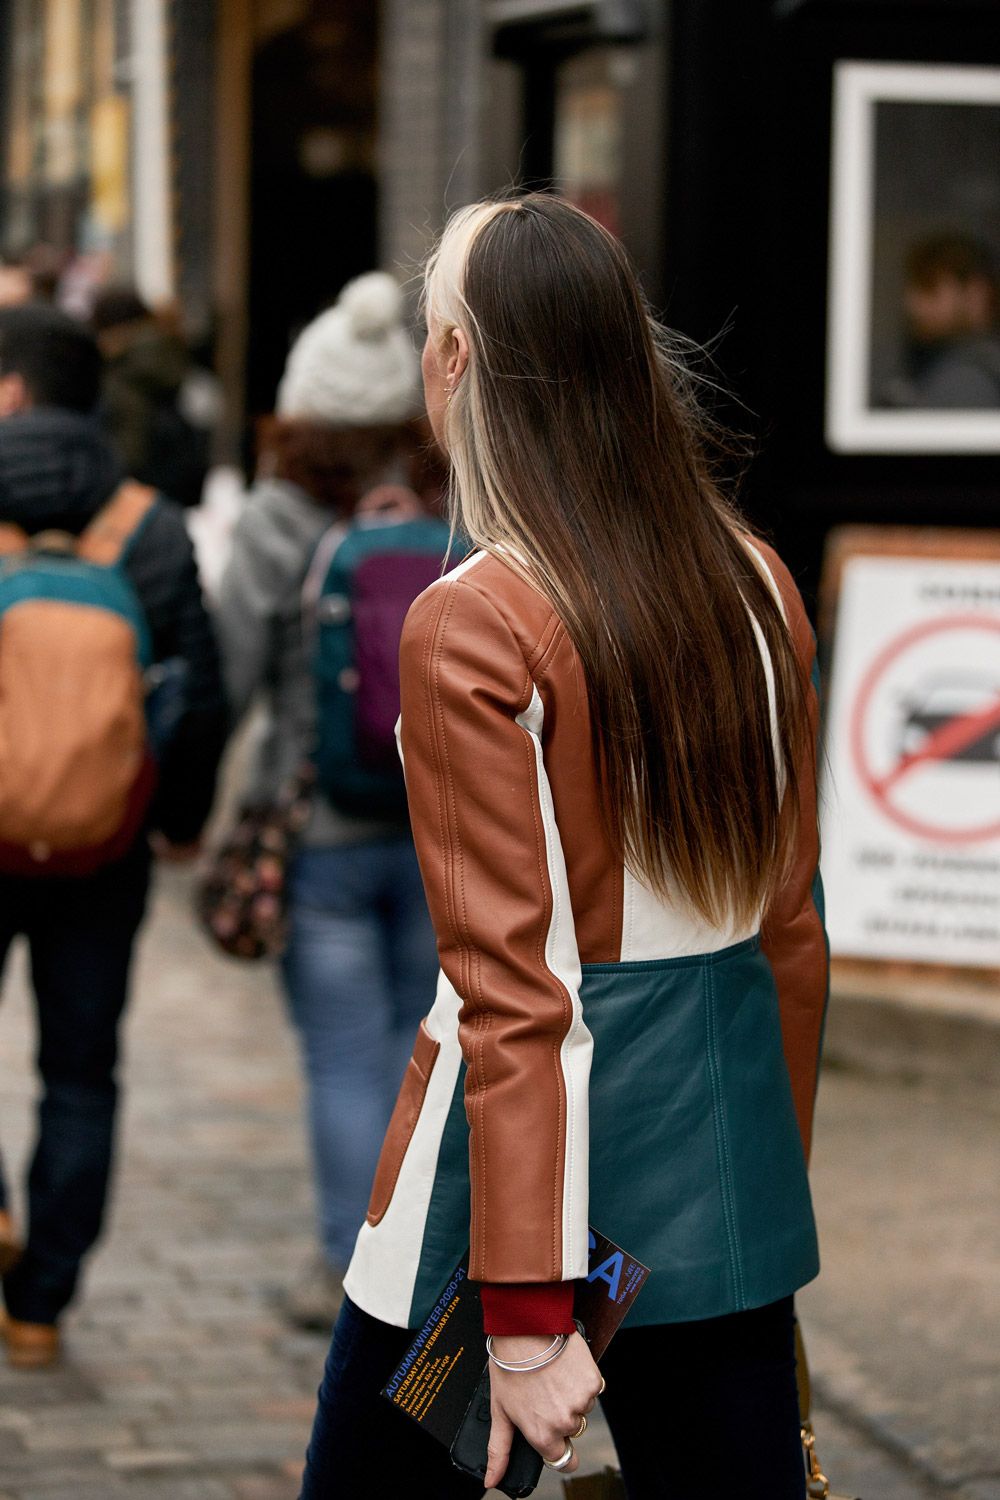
{"type": "Point", "coordinates": [160, 404]}
{"type": "Point", "coordinates": [107, 423]}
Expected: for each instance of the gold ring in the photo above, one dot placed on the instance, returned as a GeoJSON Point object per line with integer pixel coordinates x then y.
{"type": "Point", "coordinates": [581, 1429]}
{"type": "Point", "coordinates": [560, 1463]}
{"type": "Point", "coordinates": [603, 1386]}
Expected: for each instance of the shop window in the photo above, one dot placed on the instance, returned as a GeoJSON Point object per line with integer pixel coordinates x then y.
{"type": "Point", "coordinates": [578, 106]}
{"type": "Point", "coordinates": [588, 134]}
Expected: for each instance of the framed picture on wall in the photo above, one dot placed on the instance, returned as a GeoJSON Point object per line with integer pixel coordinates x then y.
{"type": "Point", "coordinates": [913, 342]}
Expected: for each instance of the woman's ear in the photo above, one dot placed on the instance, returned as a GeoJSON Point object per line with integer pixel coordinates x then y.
{"type": "Point", "coordinates": [458, 356]}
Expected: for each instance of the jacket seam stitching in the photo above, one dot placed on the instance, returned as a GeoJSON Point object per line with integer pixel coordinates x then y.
{"type": "Point", "coordinates": [469, 959]}
{"type": "Point", "coordinates": [552, 623]}
{"type": "Point", "coordinates": [532, 757]}
{"type": "Point", "coordinates": [617, 906]}
{"type": "Point", "coordinates": [538, 658]}
{"type": "Point", "coordinates": [680, 961]}
{"type": "Point", "coordinates": [721, 1140]}
{"type": "Point", "coordinates": [563, 1093]}
{"type": "Point", "coordinates": [552, 909]}
{"type": "Point", "coordinates": [563, 1202]}
{"type": "Point", "coordinates": [456, 897]}
{"type": "Point", "coordinates": [407, 1134]}
{"type": "Point", "coordinates": [628, 918]}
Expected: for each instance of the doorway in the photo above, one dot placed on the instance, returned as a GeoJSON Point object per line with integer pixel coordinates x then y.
{"type": "Point", "coordinates": [312, 179]}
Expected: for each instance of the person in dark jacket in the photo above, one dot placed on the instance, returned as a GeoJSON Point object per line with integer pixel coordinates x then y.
{"type": "Point", "coordinates": [57, 472]}
{"type": "Point", "coordinates": [157, 405]}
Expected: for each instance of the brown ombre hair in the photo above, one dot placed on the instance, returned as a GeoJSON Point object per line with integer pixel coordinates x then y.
{"type": "Point", "coordinates": [335, 466]}
{"type": "Point", "coordinates": [578, 454]}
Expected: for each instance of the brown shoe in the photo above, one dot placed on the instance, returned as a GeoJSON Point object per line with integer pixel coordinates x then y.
{"type": "Point", "coordinates": [10, 1246]}
{"type": "Point", "coordinates": [30, 1346]}
{"type": "Point", "coordinates": [314, 1300]}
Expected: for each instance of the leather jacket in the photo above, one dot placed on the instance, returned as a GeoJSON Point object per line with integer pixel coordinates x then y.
{"type": "Point", "coordinates": [593, 1055]}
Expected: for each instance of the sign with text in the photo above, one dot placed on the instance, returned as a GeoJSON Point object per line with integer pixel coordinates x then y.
{"type": "Point", "coordinates": [911, 793]}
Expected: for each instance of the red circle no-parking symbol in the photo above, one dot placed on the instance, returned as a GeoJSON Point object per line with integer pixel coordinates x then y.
{"type": "Point", "coordinates": [925, 729]}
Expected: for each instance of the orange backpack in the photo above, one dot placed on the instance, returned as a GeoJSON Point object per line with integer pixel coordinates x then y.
{"type": "Point", "coordinates": [76, 774]}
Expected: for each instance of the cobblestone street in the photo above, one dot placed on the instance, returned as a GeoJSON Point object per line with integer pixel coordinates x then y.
{"type": "Point", "coordinates": [182, 1382]}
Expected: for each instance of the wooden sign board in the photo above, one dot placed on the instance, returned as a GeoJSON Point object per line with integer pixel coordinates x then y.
{"type": "Point", "coordinates": [910, 780]}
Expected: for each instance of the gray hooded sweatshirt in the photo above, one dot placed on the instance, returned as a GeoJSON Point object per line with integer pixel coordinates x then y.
{"type": "Point", "coordinates": [264, 653]}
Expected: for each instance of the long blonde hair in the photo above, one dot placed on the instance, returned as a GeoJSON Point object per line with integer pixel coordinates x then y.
{"type": "Point", "coordinates": [578, 454]}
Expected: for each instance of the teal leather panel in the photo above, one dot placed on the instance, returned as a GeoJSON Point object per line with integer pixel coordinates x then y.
{"type": "Point", "coordinates": [819, 902]}
{"type": "Point", "coordinates": [696, 1160]}
{"type": "Point", "coordinates": [446, 1233]}
{"type": "Point", "coordinates": [696, 1164]}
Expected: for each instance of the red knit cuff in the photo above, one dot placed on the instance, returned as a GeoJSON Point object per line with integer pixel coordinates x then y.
{"type": "Point", "coordinates": [544, 1307]}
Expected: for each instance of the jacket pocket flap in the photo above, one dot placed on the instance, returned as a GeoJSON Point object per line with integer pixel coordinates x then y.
{"type": "Point", "coordinates": [403, 1123]}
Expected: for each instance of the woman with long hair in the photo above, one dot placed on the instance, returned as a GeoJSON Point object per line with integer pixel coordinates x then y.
{"type": "Point", "coordinates": [360, 954]}
{"type": "Point", "coordinates": [608, 732]}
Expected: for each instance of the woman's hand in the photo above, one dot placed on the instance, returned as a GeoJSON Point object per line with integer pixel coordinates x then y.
{"type": "Point", "coordinates": [545, 1405]}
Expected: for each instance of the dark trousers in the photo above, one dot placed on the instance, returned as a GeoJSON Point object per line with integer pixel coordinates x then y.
{"type": "Point", "coordinates": [702, 1410]}
{"type": "Point", "coordinates": [697, 1411]}
{"type": "Point", "coordinates": [80, 934]}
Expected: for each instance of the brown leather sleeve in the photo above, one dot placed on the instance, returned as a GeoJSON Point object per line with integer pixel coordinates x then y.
{"type": "Point", "coordinates": [479, 824]}
{"type": "Point", "coordinates": [794, 938]}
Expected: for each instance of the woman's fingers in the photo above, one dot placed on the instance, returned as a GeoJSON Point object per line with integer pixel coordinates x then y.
{"type": "Point", "coordinates": [555, 1450]}
{"type": "Point", "coordinates": [546, 1404]}
{"type": "Point", "coordinates": [498, 1448]}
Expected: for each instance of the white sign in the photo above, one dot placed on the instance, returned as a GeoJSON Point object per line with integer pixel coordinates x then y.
{"type": "Point", "coordinates": [911, 794]}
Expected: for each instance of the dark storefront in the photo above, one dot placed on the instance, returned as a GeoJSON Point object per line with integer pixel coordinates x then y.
{"type": "Point", "coordinates": [708, 125]}
{"type": "Point", "coordinates": [66, 109]}
{"type": "Point", "coordinates": [579, 96]}
{"type": "Point", "coordinates": [701, 131]}
{"type": "Point", "coordinates": [312, 181]}
{"type": "Point", "coordinates": [295, 197]}
{"type": "Point", "coordinates": [218, 153]}
{"type": "Point", "coordinates": [762, 136]}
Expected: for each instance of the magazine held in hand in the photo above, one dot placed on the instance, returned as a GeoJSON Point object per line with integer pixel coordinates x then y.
{"type": "Point", "coordinates": [443, 1380]}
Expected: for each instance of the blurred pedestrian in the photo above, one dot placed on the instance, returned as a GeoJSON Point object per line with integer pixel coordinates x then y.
{"type": "Point", "coordinates": [159, 407]}
{"type": "Point", "coordinates": [31, 277]}
{"type": "Point", "coordinates": [360, 952]}
{"type": "Point", "coordinates": [952, 309]}
{"type": "Point", "coordinates": [608, 729]}
{"type": "Point", "coordinates": [15, 284]}
{"type": "Point", "coordinates": [97, 587]}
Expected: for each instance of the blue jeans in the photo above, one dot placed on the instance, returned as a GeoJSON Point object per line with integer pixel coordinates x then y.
{"type": "Point", "coordinates": [697, 1410]}
{"type": "Point", "coordinates": [360, 970]}
{"type": "Point", "coordinates": [80, 932]}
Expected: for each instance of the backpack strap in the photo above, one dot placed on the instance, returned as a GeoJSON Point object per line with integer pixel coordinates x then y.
{"type": "Point", "coordinates": [326, 549]}
{"type": "Point", "coordinates": [12, 539]}
{"type": "Point", "coordinates": [105, 541]}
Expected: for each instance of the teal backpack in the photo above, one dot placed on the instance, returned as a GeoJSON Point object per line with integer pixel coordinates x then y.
{"type": "Point", "coordinates": [362, 581]}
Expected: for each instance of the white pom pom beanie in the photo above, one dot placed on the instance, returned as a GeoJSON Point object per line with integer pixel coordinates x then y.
{"type": "Point", "coordinates": [354, 365]}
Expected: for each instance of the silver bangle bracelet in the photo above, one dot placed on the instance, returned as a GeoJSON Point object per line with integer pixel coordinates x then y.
{"type": "Point", "coordinates": [535, 1362]}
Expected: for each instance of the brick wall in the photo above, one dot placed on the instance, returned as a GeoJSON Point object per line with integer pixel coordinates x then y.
{"type": "Point", "coordinates": [429, 103]}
